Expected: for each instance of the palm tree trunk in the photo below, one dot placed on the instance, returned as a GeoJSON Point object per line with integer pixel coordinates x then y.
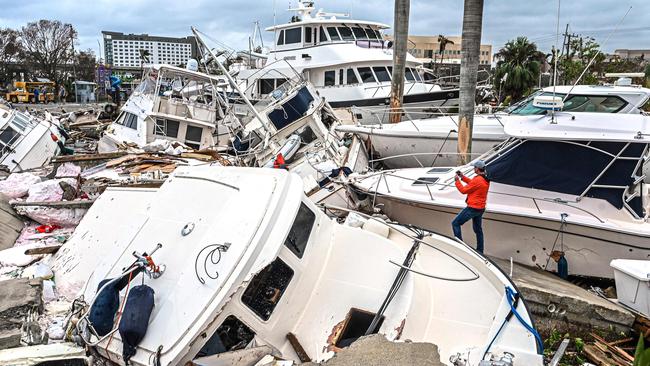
{"type": "Point", "coordinates": [400, 43]}
{"type": "Point", "coordinates": [470, 51]}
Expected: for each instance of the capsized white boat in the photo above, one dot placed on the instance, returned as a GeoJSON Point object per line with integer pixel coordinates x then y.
{"type": "Point", "coordinates": [27, 141]}
{"type": "Point", "coordinates": [433, 141]}
{"type": "Point", "coordinates": [247, 264]}
{"type": "Point", "coordinates": [573, 185]}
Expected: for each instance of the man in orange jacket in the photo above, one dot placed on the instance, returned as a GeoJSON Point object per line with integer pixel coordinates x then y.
{"type": "Point", "coordinates": [476, 191]}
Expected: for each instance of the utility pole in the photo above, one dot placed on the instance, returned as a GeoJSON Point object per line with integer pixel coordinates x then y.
{"type": "Point", "coordinates": [74, 69]}
{"type": "Point", "coordinates": [470, 53]}
{"type": "Point", "coordinates": [402, 8]}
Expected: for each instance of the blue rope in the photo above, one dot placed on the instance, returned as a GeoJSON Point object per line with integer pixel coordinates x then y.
{"type": "Point", "coordinates": [510, 295]}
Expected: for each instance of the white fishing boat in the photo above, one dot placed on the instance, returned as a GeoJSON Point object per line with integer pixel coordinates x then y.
{"type": "Point", "coordinates": [572, 185]}
{"type": "Point", "coordinates": [265, 271]}
{"type": "Point", "coordinates": [347, 60]}
{"type": "Point", "coordinates": [27, 141]}
{"type": "Point", "coordinates": [171, 103]}
{"type": "Point", "coordinates": [433, 141]}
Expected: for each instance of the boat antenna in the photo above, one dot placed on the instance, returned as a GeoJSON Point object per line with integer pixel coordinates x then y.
{"type": "Point", "coordinates": [232, 82]}
{"type": "Point", "coordinates": [275, 35]}
{"type": "Point", "coordinates": [555, 56]}
{"type": "Point", "coordinates": [597, 53]}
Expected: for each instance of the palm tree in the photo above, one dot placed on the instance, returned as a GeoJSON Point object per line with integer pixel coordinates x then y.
{"type": "Point", "coordinates": [470, 52]}
{"type": "Point", "coordinates": [402, 8]}
{"type": "Point", "coordinates": [442, 42]}
{"type": "Point", "coordinates": [518, 67]}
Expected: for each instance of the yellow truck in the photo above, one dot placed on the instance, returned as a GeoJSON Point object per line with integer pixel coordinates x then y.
{"type": "Point", "coordinates": [23, 92]}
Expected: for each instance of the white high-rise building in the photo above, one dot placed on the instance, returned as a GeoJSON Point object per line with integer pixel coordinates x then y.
{"type": "Point", "coordinates": [126, 50]}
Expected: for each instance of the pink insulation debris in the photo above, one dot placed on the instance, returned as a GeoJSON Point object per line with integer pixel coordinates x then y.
{"type": "Point", "coordinates": [17, 184]}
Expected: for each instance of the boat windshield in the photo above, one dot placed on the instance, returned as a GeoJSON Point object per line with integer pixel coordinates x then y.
{"type": "Point", "coordinates": [574, 103]}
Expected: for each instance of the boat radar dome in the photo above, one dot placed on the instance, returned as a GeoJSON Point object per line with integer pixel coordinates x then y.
{"type": "Point", "coordinates": [548, 102]}
{"type": "Point", "coordinates": [192, 65]}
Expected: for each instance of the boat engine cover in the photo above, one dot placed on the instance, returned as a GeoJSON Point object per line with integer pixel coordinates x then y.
{"type": "Point", "coordinates": [135, 319]}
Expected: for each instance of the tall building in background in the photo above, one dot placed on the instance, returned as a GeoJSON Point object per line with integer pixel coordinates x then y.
{"type": "Point", "coordinates": [427, 49]}
{"type": "Point", "coordinates": [124, 51]}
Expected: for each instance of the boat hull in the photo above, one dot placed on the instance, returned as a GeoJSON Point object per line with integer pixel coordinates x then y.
{"type": "Point", "coordinates": [528, 240]}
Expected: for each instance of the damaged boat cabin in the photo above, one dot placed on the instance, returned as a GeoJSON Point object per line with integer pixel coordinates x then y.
{"type": "Point", "coordinates": [170, 103]}
{"type": "Point", "coordinates": [247, 266]}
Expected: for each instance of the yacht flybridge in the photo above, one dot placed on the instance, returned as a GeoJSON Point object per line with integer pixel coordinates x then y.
{"type": "Point", "coordinates": [27, 141]}
{"type": "Point", "coordinates": [347, 60]}
{"type": "Point", "coordinates": [265, 271]}
{"type": "Point", "coordinates": [572, 185]}
{"type": "Point", "coordinates": [432, 141]}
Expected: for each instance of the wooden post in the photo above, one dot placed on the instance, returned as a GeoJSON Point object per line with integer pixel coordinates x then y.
{"type": "Point", "coordinates": [470, 52]}
{"type": "Point", "coordinates": [400, 43]}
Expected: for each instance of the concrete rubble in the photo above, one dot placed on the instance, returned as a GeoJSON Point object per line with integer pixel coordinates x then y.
{"type": "Point", "coordinates": [20, 299]}
{"type": "Point", "coordinates": [558, 305]}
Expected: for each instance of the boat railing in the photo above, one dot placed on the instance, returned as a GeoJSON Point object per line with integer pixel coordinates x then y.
{"type": "Point", "coordinates": [444, 185]}
{"type": "Point", "coordinates": [415, 239]}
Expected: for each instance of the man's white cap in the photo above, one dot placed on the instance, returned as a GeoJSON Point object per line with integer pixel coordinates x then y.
{"type": "Point", "coordinates": [479, 164]}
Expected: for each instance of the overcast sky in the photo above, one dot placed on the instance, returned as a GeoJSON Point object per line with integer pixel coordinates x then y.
{"type": "Point", "coordinates": [231, 22]}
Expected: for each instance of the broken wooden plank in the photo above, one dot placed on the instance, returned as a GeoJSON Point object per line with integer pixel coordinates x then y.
{"type": "Point", "coordinates": [51, 249]}
{"type": "Point", "coordinates": [87, 157]}
{"type": "Point", "coordinates": [56, 204]}
{"type": "Point", "coordinates": [601, 358]}
{"type": "Point", "coordinates": [613, 349]}
{"type": "Point", "coordinates": [300, 351]}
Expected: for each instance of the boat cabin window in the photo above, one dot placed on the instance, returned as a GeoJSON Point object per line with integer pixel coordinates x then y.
{"type": "Point", "coordinates": [381, 73]}
{"type": "Point", "coordinates": [416, 74]}
{"type": "Point", "coordinates": [366, 75]}
{"type": "Point", "coordinates": [371, 33]}
{"type": "Point", "coordinates": [7, 137]}
{"type": "Point", "coordinates": [307, 35]}
{"type": "Point", "coordinates": [20, 121]}
{"type": "Point", "coordinates": [601, 104]}
{"type": "Point", "coordinates": [378, 34]}
{"type": "Point", "coordinates": [129, 120]}
{"type": "Point", "coordinates": [266, 86]}
{"type": "Point", "coordinates": [292, 35]}
{"type": "Point", "coordinates": [352, 77]}
{"type": "Point", "coordinates": [267, 287]}
{"type": "Point", "coordinates": [330, 78]}
{"type": "Point", "coordinates": [409, 74]}
{"type": "Point", "coordinates": [298, 236]}
{"type": "Point", "coordinates": [334, 35]}
{"type": "Point", "coordinates": [346, 33]}
{"type": "Point", "coordinates": [321, 35]}
{"type": "Point", "coordinates": [425, 181]}
{"type": "Point", "coordinates": [340, 76]}
{"type": "Point", "coordinates": [232, 335]}
{"type": "Point", "coordinates": [646, 106]}
{"type": "Point", "coordinates": [166, 127]}
{"type": "Point", "coordinates": [281, 38]}
{"type": "Point", "coordinates": [359, 33]}
{"type": "Point", "coordinates": [193, 137]}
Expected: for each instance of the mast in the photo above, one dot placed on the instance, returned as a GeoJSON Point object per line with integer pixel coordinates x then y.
{"type": "Point", "coordinates": [470, 51]}
{"type": "Point", "coordinates": [401, 27]}
{"type": "Point", "coordinates": [263, 121]}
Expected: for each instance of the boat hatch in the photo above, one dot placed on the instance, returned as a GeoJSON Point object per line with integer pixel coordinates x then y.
{"type": "Point", "coordinates": [267, 287]}
{"type": "Point", "coordinates": [438, 170]}
{"type": "Point", "coordinates": [425, 180]}
{"type": "Point", "coordinates": [354, 326]}
{"type": "Point", "coordinates": [292, 110]}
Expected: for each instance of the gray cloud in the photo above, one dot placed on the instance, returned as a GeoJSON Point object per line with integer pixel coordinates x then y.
{"type": "Point", "coordinates": [231, 22]}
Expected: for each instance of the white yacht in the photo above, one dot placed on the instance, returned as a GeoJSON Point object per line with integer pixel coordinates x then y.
{"type": "Point", "coordinates": [347, 60]}
{"type": "Point", "coordinates": [572, 185]}
{"type": "Point", "coordinates": [433, 141]}
{"type": "Point", "coordinates": [171, 103]}
{"type": "Point", "coordinates": [244, 265]}
{"type": "Point", "coordinates": [27, 141]}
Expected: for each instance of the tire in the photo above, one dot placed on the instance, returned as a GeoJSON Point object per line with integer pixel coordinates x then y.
{"type": "Point", "coordinates": [109, 109]}
{"type": "Point", "coordinates": [14, 99]}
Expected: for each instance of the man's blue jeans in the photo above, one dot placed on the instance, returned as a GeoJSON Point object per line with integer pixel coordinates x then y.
{"type": "Point", "coordinates": [477, 217]}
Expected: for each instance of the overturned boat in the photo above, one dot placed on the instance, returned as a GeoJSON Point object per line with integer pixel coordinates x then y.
{"type": "Point", "coordinates": [262, 270]}
{"type": "Point", "coordinates": [426, 142]}
{"type": "Point", "coordinates": [571, 186]}
{"type": "Point", "coordinates": [26, 141]}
